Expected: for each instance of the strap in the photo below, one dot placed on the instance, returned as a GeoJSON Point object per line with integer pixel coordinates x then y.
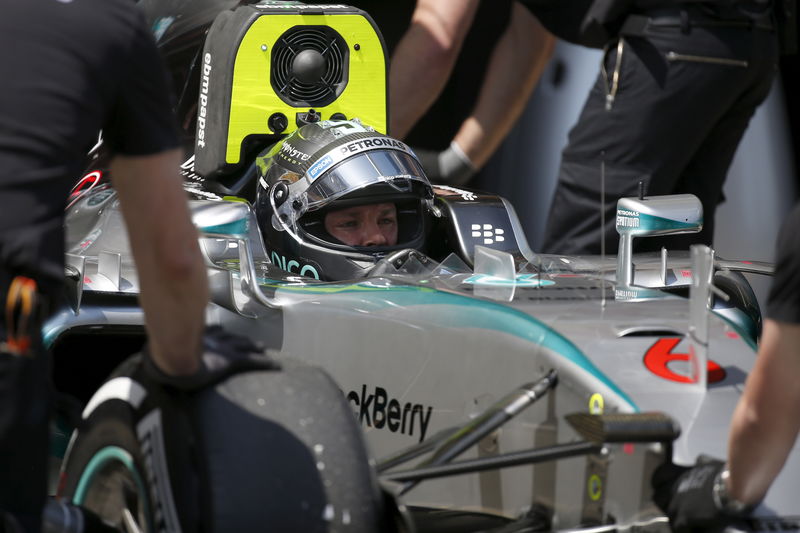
{"type": "Point", "coordinates": [20, 308]}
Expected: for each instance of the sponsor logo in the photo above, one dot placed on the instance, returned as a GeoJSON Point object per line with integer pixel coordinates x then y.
{"type": "Point", "coordinates": [290, 152]}
{"type": "Point", "coordinates": [489, 233]}
{"type": "Point", "coordinates": [84, 185]}
{"type": "Point", "coordinates": [370, 143]}
{"type": "Point", "coordinates": [293, 266]}
{"type": "Point", "coordinates": [320, 166]}
{"type": "Point", "coordinates": [361, 145]}
{"type": "Point", "coordinates": [205, 81]}
{"type": "Point", "coordinates": [627, 218]}
{"type": "Point", "coordinates": [659, 360]}
{"type": "Point", "coordinates": [151, 439]}
{"type": "Point", "coordinates": [376, 409]}
{"type": "Point", "coordinates": [627, 222]}
{"type": "Point", "coordinates": [625, 295]}
{"type": "Point", "coordinates": [187, 171]}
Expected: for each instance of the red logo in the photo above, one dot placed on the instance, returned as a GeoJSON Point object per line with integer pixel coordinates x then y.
{"type": "Point", "coordinates": [84, 185]}
{"type": "Point", "coordinates": [660, 354]}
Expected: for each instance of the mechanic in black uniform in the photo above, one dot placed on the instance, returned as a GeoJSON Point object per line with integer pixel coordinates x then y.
{"type": "Point", "coordinates": [678, 84]}
{"type": "Point", "coordinates": [765, 423]}
{"type": "Point", "coordinates": [502, 58]}
{"type": "Point", "coordinates": [461, 73]}
{"type": "Point", "coordinates": [71, 68]}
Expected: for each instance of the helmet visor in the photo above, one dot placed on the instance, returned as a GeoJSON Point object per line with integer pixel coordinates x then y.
{"type": "Point", "coordinates": [393, 167]}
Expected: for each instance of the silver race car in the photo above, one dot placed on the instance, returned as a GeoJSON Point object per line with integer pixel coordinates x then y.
{"type": "Point", "coordinates": [496, 389]}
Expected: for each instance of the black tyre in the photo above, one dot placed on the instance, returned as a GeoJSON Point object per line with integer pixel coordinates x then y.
{"type": "Point", "coordinates": [262, 450]}
{"type": "Point", "coordinates": [104, 470]}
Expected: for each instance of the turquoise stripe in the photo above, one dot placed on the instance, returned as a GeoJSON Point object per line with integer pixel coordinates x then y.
{"type": "Point", "coordinates": [742, 325]}
{"type": "Point", "coordinates": [237, 227]}
{"type": "Point", "coordinates": [104, 457]}
{"type": "Point", "coordinates": [656, 223]}
{"type": "Point", "coordinates": [482, 314]}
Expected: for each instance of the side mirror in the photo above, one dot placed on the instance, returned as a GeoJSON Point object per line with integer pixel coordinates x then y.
{"type": "Point", "coordinates": [653, 216]}
{"type": "Point", "coordinates": [225, 218]}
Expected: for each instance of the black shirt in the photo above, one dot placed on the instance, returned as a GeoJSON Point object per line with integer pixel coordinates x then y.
{"type": "Point", "coordinates": [783, 304]}
{"type": "Point", "coordinates": [69, 68]}
{"type": "Point", "coordinates": [437, 127]}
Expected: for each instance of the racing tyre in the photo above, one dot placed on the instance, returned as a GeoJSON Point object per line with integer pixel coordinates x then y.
{"type": "Point", "coordinates": [104, 471]}
{"type": "Point", "coordinates": [276, 449]}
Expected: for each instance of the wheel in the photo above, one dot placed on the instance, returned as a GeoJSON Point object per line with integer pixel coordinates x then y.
{"type": "Point", "coordinates": [742, 307]}
{"type": "Point", "coordinates": [278, 447]}
{"type": "Point", "coordinates": [286, 447]}
{"type": "Point", "coordinates": [104, 470]}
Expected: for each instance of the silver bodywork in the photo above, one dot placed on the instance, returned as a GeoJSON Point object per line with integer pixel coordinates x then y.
{"type": "Point", "coordinates": [416, 354]}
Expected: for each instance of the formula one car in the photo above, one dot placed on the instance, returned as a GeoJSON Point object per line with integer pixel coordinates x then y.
{"type": "Point", "coordinates": [529, 392]}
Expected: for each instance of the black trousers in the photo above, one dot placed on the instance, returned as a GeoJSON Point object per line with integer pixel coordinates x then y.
{"type": "Point", "coordinates": [25, 399]}
{"type": "Point", "coordinates": [673, 119]}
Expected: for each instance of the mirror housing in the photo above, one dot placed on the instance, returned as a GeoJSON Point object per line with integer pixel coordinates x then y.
{"type": "Point", "coordinates": [653, 216]}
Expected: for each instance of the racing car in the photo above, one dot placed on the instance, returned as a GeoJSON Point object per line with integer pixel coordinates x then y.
{"type": "Point", "coordinates": [495, 388]}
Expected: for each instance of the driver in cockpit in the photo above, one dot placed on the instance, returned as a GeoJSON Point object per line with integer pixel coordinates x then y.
{"type": "Point", "coordinates": [364, 225]}
{"type": "Point", "coordinates": [335, 197]}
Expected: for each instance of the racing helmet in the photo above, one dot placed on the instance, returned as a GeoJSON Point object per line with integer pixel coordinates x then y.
{"type": "Point", "coordinates": [328, 166]}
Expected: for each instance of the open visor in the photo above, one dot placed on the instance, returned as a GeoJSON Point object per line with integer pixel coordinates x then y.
{"type": "Point", "coordinates": [329, 179]}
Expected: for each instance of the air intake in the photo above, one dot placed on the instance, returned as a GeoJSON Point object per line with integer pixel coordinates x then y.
{"type": "Point", "coordinates": [309, 66]}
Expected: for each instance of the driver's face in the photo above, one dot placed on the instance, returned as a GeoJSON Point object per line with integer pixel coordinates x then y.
{"type": "Point", "coordinates": [364, 225]}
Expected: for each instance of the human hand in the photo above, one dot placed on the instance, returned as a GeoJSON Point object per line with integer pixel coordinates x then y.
{"type": "Point", "coordinates": [224, 353]}
{"type": "Point", "coordinates": [687, 496]}
{"type": "Point", "coordinates": [449, 167]}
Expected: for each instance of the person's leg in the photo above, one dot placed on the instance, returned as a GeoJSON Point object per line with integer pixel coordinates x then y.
{"type": "Point", "coordinates": [705, 174]}
{"type": "Point", "coordinates": [662, 112]}
{"type": "Point", "coordinates": [24, 411]}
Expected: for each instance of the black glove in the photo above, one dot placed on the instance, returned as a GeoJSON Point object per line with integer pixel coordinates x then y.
{"type": "Point", "coordinates": [451, 166]}
{"type": "Point", "coordinates": [224, 353]}
{"type": "Point", "coordinates": [686, 495]}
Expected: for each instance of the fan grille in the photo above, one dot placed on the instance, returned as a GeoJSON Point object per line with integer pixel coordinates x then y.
{"type": "Point", "coordinates": [330, 84]}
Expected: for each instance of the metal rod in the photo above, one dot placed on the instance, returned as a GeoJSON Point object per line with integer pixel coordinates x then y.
{"type": "Point", "coordinates": [498, 414]}
{"type": "Point", "coordinates": [559, 451]}
{"type": "Point", "coordinates": [412, 452]}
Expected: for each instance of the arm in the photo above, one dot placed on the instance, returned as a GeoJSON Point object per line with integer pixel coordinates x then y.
{"type": "Point", "coordinates": [765, 422]}
{"type": "Point", "coordinates": [424, 58]}
{"type": "Point", "coordinates": [172, 274]}
{"type": "Point", "coordinates": [516, 64]}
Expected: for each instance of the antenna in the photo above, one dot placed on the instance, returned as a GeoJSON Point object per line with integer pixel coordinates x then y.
{"type": "Point", "coordinates": [603, 227]}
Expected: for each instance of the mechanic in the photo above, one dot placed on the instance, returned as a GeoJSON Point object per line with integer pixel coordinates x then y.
{"type": "Point", "coordinates": [360, 196]}
{"type": "Point", "coordinates": [70, 69]}
{"type": "Point", "coordinates": [678, 84]}
{"type": "Point", "coordinates": [765, 423]}
{"type": "Point", "coordinates": [502, 59]}
{"type": "Point", "coordinates": [461, 73]}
